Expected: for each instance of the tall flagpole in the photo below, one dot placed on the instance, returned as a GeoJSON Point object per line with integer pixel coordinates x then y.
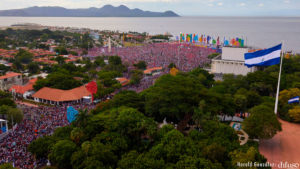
{"type": "Point", "coordinates": [278, 85]}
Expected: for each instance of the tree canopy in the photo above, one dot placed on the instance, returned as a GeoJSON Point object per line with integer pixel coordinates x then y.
{"type": "Point", "coordinates": [262, 122]}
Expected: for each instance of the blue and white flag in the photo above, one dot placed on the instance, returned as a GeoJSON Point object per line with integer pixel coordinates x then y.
{"type": "Point", "coordinates": [294, 100]}
{"type": "Point", "coordinates": [265, 57]}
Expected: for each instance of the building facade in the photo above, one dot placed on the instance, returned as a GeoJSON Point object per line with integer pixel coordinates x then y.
{"type": "Point", "coordinates": [231, 61]}
{"type": "Point", "coordinates": [10, 79]}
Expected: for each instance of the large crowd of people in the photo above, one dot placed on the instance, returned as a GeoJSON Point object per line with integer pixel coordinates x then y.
{"type": "Point", "coordinates": [185, 56]}
{"type": "Point", "coordinates": [42, 120]}
{"type": "Point", "coordinates": [37, 122]}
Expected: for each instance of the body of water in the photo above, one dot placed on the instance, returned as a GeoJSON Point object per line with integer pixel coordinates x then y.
{"type": "Point", "coordinates": [261, 32]}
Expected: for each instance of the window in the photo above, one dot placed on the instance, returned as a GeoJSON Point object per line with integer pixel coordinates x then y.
{"type": "Point", "coordinates": [5, 79]}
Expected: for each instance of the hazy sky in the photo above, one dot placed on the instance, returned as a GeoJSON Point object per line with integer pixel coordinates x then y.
{"type": "Point", "coordinates": [182, 7]}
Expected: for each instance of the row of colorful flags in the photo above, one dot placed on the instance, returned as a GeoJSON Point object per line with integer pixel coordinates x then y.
{"type": "Point", "coordinates": [206, 39]}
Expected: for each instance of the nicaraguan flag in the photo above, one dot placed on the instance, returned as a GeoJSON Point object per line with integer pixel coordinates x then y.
{"type": "Point", "coordinates": [294, 100]}
{"type": "Point", "coordinates": [265, 57]}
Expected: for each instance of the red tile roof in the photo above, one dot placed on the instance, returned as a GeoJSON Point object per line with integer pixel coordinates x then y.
{"type": "Point", "coordinates": [124, 81]}
{"type": "Point", "coordinates": [10, 75]}
{"type": "Point", "coordinates": [22, 89]}
{"type": "Point", "coordinates": [62, 95]}
{"type": "Point", "coordinates": [147, 71]}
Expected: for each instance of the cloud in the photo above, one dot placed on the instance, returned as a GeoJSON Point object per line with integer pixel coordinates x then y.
{"type": "Point", "coordinates": [287, 1]}
{"type": "Point", "coordinates": [220, 3]}
{"type": "Point", "coordinates": [242, 4]}
{"type": "Point", "coordinates": [261, 4]}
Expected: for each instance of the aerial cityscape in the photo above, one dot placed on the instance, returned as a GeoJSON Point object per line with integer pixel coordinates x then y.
{"type": "Point", "coordinates": [154, 84]}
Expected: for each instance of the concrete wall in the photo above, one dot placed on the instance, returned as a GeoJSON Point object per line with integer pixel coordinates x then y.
{"type": "Point", "coordinates": [233, 53]}
{"type": "Point", "coordinates": [230, 67]}
{"type": "Point", "coordinates": [5, 84]}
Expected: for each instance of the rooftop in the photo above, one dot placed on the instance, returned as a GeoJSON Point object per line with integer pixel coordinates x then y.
{"type": "Point", "coordinates": [58, 95]}
{"type": "Point", "coordinates": [10, 75]}
{"type": "Point", "coordinates": [22, 89]}
{"type": "Point", "coordinates": [150, 70]}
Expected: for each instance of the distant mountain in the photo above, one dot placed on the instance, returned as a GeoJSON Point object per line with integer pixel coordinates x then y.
{"type": "Point", "coordinates": [105, 11]}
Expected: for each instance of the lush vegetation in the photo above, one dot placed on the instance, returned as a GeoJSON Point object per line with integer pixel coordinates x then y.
{"type": "Point", "coordinates": [124, 132]}
{"type": "Point", "coordinates": [33, 38]}
{"type": "Point", "coordinates": [9, 109]}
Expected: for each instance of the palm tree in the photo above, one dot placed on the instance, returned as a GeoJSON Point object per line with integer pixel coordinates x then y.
{"type": "Point", "coordinates": [82, 118]}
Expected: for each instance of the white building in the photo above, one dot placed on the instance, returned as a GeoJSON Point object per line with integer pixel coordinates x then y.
{"type": "Point", "coordinates": [231, 61]}
{"type": "Point", "coordinates": [9, 80]}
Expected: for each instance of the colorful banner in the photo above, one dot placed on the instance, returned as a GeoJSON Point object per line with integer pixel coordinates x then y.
{"type": "Point", "coordinates": [208, 40]}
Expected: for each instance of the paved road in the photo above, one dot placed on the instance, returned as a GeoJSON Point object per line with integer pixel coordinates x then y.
{"type": "Point", "coordinates": [284, 146]}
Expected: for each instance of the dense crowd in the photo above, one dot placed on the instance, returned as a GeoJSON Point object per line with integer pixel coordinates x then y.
{"type": "Point", "coordinates": [145, 83]}
{"type": "Point", "coordinates": [42, 120]}
{"type": "Point", "coordinates": [185, 56]}
{"type": "Point", "coordinates": [38, 122]}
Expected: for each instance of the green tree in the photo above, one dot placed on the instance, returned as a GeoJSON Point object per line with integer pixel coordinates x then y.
{"type": "Point", "coordinates": [33, 67]}
{"type": "Point", "coordinates": [77, 135]}
{"type": "Point", "coordinates": [135, 160]}
{"type": "Point", "coordinates": [99, 61]}
{"type": "Point", "coordinates": [136, 76]}
{"type": "Point", "coordinates": [7, 166]}
{"type": "Point", "coordinates": [262, 122]}
{"type": "Point", "coordinates": [251, 155]}
{"type": "Point", "coordinates": [199, 115]}
{"type": "Point", "coordinates": [295, 113]}
{"type": "Point", "coordinates": [18, 65]}
{"type": "Point", "coordinates": [24, 56]}
{"type": "Point", "coordinates": [82, 118]}
{"type": "Point", "coordinates": [61, 50]}
{"type": "Point", "coordinates": [13, 114]}
{"type": "Point", "coordinates": [60, 60]}
{"type": "Point", "coordinates": [141, 65]}
{"type": "Point", "coordinates": [61, 153]}
{"type": "Point", "coordinates": [7, 101]}
{"type": "Point", "coordinates": [41, 147]}
{"type": "Point", "coordinates": [171, 65]}
{"type": "Point", "coordinates": [172, 97]}
{"type": "Point", "coordinates": [128, 99]}
{"type": "Point", "coordinates": [58, 80]}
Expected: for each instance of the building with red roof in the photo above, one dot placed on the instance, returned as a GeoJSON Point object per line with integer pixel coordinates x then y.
{"type": "Point", "coordinates": [57, 96]}
{"type": "Point", "coordinates": [152, 71]}
{"type": "Point", "coordinates": [23, 91]}
{"type": "Point", "coordinates": [124, 81]}
{"type": "Point", "coordinates": [10, 79]}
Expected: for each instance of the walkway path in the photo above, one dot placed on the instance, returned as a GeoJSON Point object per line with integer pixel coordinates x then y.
{"type": "Point", "coordinates": [27, 104]}
{"type": "Point", "coordinates": [284, 146]}
{"type": "Point", "coordinates": [245, 136]}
